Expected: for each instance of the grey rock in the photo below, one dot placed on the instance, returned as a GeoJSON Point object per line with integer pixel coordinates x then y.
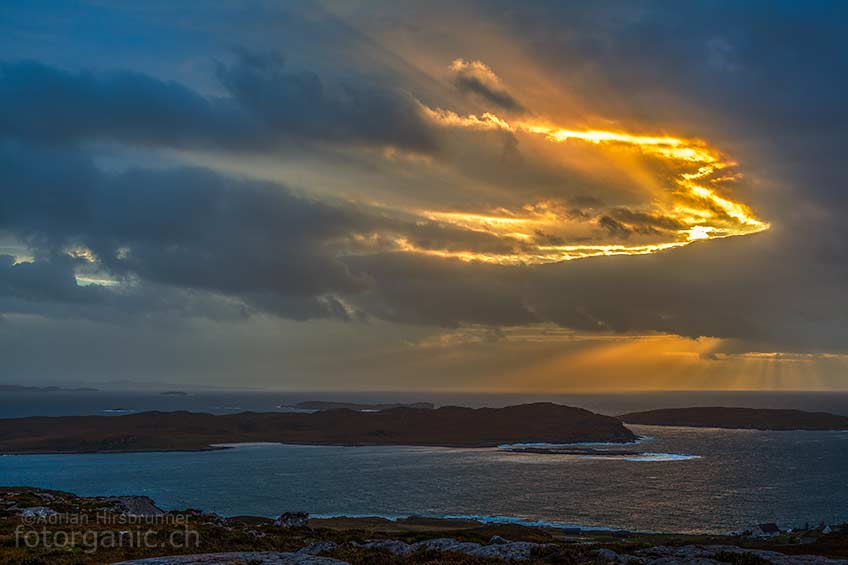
{"type": "Point", "coordinates": [237, 558]}
{"type": "Point", "coordinates": [505, 551]}
{"type": "Point", "coordinates": [38, 512]}
{"type": "Point", "coordinates": [705, 554]}
{"type": "Point", "coordinates": [498, 539]}
{"type": "Point", "coordinates": [292, 520]}
{"type": "Point", "coordinates": [319, 547]}
{"type": "Point", "coordinates": [390, 545]}
{"type": "Point", "coordinates": [134, 505]}
{"type": "Point", "coordinates": [447, 544]}
{"type": "Point", "coordinates": [509, 551]}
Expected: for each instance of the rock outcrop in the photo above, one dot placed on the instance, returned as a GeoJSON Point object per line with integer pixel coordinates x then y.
{"type": "Point", "coordinates": [134, 505]}
{"type": "Point", "coordinates": [709, 555]}
{"type": "Point", "coordinates": [292, 520]}
{"type": "Point", "coordinates": [238, 558]}
{"type": "Point", "coordinates": [504, 550]}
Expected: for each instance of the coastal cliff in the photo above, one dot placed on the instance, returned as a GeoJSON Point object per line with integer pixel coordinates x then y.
{"type": "Point", "coordinates": [447, 426]}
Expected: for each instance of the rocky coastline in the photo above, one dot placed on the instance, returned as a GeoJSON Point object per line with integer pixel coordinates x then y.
{"type": "Point", "coordinates": [296, 538]}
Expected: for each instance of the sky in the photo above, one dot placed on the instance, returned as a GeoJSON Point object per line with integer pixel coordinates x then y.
{"type": "Point", "coordinates": [481, 196]}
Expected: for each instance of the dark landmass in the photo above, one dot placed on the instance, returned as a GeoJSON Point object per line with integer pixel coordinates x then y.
{"type": "Point", "coordinates": [88, 526]}
{"type": "Point", "coordinates": [20, 388]}
{"type": "Point", "coordinates": [448, 427]}
{"type": "Point", "coordinates": [739, 418]}
{"type": "Point", "coordinates": [174, 393]}
{"type": "Point", "coordinates": [325, 405]}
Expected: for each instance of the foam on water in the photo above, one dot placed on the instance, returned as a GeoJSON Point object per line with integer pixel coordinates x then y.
{"type": "Point", "coordinates": [544, 445]}
{"type": "Point", "coordinates": [647, 456]}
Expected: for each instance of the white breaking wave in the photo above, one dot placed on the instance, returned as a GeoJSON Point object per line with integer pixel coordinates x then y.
{"type": "Point", "coordinates": [542, 444]}
{"type": "Point", "coordinates": [644, 457]}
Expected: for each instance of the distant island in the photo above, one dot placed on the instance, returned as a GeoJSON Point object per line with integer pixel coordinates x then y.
{"type": "Point", "coordinates": [174, 393]}
{"type": "Point", "coordinates": [20, 388]}
{"type": "Point", "coordinates": [738, 418]}
{"type": "Point", "coordinates": [325, 405]}
{"type": "Point", "coordinates": [447, 426]}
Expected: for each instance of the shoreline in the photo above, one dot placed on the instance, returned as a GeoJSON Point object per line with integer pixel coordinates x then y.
{"type": "Point", "coordinates": [370, 521]}
{"type": "Point", "coordinates": [461, 539]}
{"type": "Point", "coordinates": [539, 448]}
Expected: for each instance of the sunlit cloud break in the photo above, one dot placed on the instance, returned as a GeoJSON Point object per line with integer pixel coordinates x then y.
{"type": "Point", "coordinates": [697, 200]}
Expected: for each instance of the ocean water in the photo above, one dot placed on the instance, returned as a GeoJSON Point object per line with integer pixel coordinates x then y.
{"type": "Point", "coordinates": [685, 480]}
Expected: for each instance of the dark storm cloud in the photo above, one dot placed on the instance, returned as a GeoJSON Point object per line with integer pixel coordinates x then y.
{"type": "Point", "coordinates": [646, 222]}
{"type": "Point", "coordinates": [48, 287]}
{"type": "Point", "coordinates": [766, 78]}
{"type": "Point", "coordinates": [186, 228]}
{"type": "Point", "coordinates": [623, 222]}
{"type": "Point", "coordinates": [44, 281]}
{"type": "Point", "coordinates": [191, 228]}
{"type": "Point", "coordinates": [302, 104]}
{"type": "Point", "coordinates": [733, 288]}
{"type": "Point", "coordinates": [478, 79]}
{"type": "Point", "coordinates": [426, 290]}
{"type": "Point", "coordinates": [267, 105]}
{"type": "Point", "coordinates": [42, 103]}
{"type": "Point", "coordinates": [614, 227]}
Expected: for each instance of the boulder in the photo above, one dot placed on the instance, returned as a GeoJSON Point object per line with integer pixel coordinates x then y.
{"type": "Point", "coordinates": [134, 505]}
{"type": "Point", "coordinates": [292, 520]}
{"type": "Point", "coordinates": [509, 551]}
{"type": "Point", "coordinates": [392, 546]}
{"type": "Point", "coordinates": [38, 512]}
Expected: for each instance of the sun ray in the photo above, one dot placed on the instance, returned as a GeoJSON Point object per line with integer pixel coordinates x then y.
{"type": "Point", "coordinates": [699, 212]}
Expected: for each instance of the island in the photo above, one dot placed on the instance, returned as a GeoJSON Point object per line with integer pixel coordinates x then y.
{"type": "Point", "coordinates": [449, 426]}
{"type": "Point", "coordinates": [22, 388]}
{"type": "Point", "coordinates": [738, 418]}
{"type": "Point", "coordinates": [329, 405]}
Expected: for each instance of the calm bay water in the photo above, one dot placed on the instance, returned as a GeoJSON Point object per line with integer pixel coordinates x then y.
{"type": "Point", "coordinates": [739, 478]}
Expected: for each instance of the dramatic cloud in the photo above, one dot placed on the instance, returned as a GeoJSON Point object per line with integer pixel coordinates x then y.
{"type": "Point", "coordinates": [267, 105]}
{"type": "Point", "coordinates": [615, 178]}
{"type": "Point", "coordinates": [476, 78]}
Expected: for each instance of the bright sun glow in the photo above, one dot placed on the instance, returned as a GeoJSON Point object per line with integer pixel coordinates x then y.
{"type": "Point", "coordinates": [697, 211]}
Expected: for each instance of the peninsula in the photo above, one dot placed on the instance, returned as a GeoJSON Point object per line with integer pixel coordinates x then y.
{"type": "Point", "coordinates": [738, 418]}
{"type": "Point", "coordinates": [448, 426]}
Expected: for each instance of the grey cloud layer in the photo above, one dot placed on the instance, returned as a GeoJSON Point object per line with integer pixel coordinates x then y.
{"type": "Point", "coordinates": [192, 242]}
{"type": "Point", "coordinates": [268, 105]}
{"type": "Point", "coordinates": [477, 79]}
{"type": "Point", "coordinates": [188, 228]}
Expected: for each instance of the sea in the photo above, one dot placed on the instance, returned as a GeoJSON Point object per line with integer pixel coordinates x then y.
{"type": "Point", "coordinates": [671, 480]}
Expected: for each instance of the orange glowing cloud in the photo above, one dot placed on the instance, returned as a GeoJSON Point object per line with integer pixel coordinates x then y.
{"type": "Point", "coordinates": [695, 205]}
